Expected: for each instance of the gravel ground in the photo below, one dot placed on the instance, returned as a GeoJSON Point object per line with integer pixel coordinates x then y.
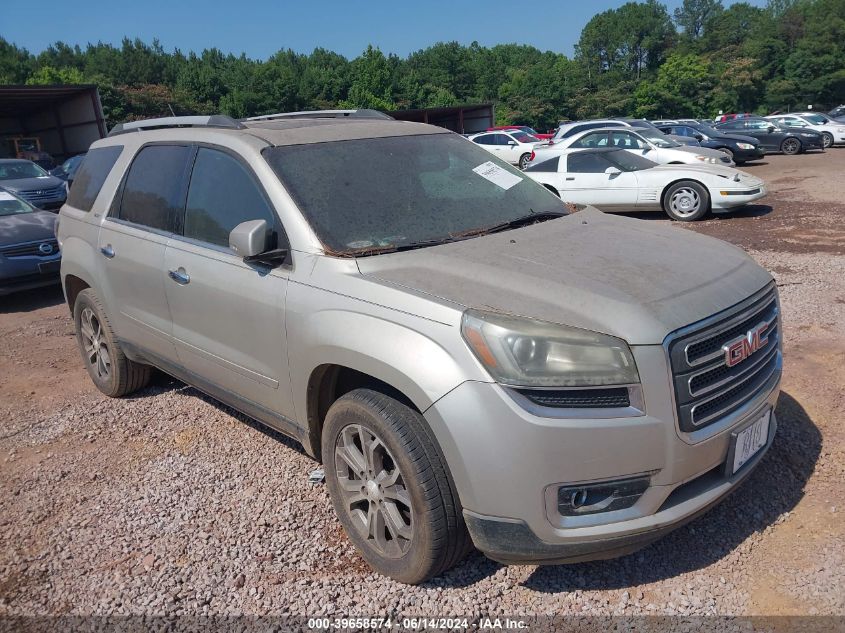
{"type": "Point", "coordinates": [170, 503]}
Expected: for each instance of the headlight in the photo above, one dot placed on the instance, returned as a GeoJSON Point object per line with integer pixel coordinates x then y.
{"type": "Point", "coordinates": [528, 353]}
{"type": "Point", "coordinates": [745, 146]}
{"type": "Point", "coordinates": [706, 159]}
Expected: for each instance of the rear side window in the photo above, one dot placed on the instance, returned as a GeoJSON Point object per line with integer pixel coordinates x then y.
{"type": "Point", "coordinates": [153, 195]}
{"type": "Point", "coordinates": [91, 175]}
{"type": "Point", "coordinates": [546, 165]}
{"type": "Point", "coordinates": [586, 163]}
{"type": "Point", "coordinates": [222, 194]}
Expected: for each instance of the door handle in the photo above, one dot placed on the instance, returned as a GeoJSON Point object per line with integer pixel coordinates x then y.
{"type": "Point", "coordinates": [179, 276]}
{"type": "Point", "coordinates": [107, 250]}
{"type": "Point", "coordinates": [570, 177]}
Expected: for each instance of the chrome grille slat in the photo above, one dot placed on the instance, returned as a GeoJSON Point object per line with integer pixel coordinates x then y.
{"type": "Point", "coordinates": [29, 249]}
{"type": "Point", "coordinates": [706, 389]}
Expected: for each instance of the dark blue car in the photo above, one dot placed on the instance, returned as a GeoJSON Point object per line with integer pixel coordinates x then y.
{"type": "Point", "coordinates": [29, 252]}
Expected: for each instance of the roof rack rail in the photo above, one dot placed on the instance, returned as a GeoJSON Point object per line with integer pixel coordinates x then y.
{"type": "Point", "coordinates": [363, 113]}
{"type": "Point", "coordinates": [214, 120]}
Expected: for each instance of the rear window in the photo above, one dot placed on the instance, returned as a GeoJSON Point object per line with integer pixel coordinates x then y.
{"type": "Point", "coordinates": [153, 195]}
{"type": "Point", "coordinates": [91, 175]}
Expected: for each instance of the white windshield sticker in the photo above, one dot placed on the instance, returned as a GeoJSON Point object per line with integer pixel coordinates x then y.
{"type": "Point", "coordinates": [6, 196]}
{"type": "Point", "coordinates": [498, 176]}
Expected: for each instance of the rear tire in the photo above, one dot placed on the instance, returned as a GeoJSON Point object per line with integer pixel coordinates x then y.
{"type": "Point", "coordinates": [686, 201]}
{"type": "Point", "coordinates": [390, 488]}
{"type": "Point", "coordinates": [107, 365]}
{"type": "Point", "coordinates": [790, 146]}
{"type": "Point", "coordinates": [524, 160]}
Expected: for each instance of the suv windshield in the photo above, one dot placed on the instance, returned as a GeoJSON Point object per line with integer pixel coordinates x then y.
{"type": "Point", "coordinates": [20, 169]}
{"type": "Point", "coordinates": [626, 161]}
{"type": "Point", "coordinates": [369, 195]}
{"type": "Point", "coordinates": [817, 119]}
{"type": "Point", "coordinates": [10, 205]}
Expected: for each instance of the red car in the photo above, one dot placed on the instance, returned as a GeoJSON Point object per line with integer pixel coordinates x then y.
{"type": "Point", "coordinates": [524, 128]}
{"type": "Point", "coordinates": [730, 117]}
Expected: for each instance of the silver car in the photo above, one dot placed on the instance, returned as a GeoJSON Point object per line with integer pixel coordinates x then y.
{"type": "Point", "coordinates": [472, 364]}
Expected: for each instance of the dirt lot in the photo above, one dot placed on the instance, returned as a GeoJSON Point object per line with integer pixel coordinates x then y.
{"type": "Point", "coordinates": [167, 503]}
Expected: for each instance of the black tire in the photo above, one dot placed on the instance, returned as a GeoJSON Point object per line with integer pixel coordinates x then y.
{"type": "Point", "coordinates": [123, 376]}
{"type": "Point", "coordinates": [686, 201]}
{"type": "Point", "coordinates": [524, 160]}
{"type": "Point", "coordinates": [790, 146]}
{"type": "Point", "coordinates": [438, 536]}
{"type": "Point", "coordinates": [827, 140]}
{"type": "Point", "coordinates": [729, 153]}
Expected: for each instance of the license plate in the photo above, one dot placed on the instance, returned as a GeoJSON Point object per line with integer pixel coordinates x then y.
{"type": "Point", "coordinates": [48, 268]}
{"type": "Point", "coordinates": [748, 442]}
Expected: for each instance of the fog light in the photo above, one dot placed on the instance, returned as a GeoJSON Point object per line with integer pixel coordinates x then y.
{"type": "Point", "coordinates": [606, 496]}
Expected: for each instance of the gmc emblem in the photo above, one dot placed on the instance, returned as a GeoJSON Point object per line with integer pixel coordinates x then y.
{"type": "Point", "coordinates": [742, 347]}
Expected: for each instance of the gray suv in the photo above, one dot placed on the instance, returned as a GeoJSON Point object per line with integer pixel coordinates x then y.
{"type": "Point", "coordinates": [472, 364]}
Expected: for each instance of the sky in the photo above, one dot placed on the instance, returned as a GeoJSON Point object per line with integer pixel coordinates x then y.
{"type": "Point", "coordinates": [260, 28]}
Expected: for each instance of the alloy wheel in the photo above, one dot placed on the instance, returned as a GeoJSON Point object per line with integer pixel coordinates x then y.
{"type": "Point", "coordinates": [791, 146]}
{"type": "Point", "coordinates": [827, 139]}
{"type": "Point", "coordinates": [685, 201]}
{"type": "Point", "coordinates": [373, 490]}
{"type": "Point", "coordinates": [94, 343]}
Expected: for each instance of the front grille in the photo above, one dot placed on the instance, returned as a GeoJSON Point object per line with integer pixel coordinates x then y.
{"type": "Point", "coordinates": [706, 388]}
{"type": "Point", "coordinates": [30, 249]}
{"type": "Point", "coordinates": [610, 397]}
{"type": "Point", "coordinates": [39, 195]}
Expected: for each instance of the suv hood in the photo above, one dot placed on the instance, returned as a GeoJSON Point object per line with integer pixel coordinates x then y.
{"type": "Point", "coordinates": [26, 227]}
{"type": "Point", "coordinates": [625, 277]}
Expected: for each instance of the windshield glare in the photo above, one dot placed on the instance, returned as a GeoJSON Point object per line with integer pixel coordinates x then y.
{"type": "Point", "coordinates": [815, 118]}
{"type": "Point", "coordinates": [10, 205]}
{"type": "Point", "coordinates": [367, 195]}
{"type": "Point", "coordinates": [22, 169]}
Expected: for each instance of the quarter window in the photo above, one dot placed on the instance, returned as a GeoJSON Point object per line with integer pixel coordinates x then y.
{"type": "Point", "coordinates": [91, 175]}
{"type": "Point", "coordinates": [222, 194]}
{"type": "Point", "coordinates": [153, 193]}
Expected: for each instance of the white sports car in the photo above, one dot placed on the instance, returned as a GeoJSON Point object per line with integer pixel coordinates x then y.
{"type": "Point", "coordinates": [614, 179]}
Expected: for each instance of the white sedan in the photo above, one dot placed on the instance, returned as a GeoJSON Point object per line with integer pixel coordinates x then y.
{"type": "Point", "coordinates": [613, 179]}
{"type": "Point", "coordinates": [512, 146]}
{"type": "Point", "coordinates": [652, 144]}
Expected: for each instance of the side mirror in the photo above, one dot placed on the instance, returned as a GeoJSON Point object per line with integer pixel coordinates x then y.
{"type": "Point", "coordinates": [612, 171]}
{"type": "Point", "coordinates": [771, 129]}
{"type": "Point", "coordinates": [699, 137]}
{"type": "Point", "coordinates": [250, 240]}
{"type": "Point", "coordinates": [511, 143]}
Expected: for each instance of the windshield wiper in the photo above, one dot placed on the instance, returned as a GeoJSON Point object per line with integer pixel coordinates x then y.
{"type": "Point", "coordinates": [525, 220]}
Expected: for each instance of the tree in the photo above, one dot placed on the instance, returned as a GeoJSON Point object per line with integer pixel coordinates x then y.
{"type": "Point", "coordinates": [693, 15]}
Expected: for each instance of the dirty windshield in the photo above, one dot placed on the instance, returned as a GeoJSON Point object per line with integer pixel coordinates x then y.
{"type": "Point", "coordinates": [373, 195]}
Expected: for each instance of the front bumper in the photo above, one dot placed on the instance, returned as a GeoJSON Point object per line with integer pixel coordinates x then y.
{"type": "Point", "coordinates": [508, 463]}
{"type": "Point", "coordinates": [745, 155]}
{"type": "Point", "coordinates": [731, 198]}
{"type": "Point", "coordinates": [25, 273]}
{"type": "Point", "coordinates": [512, 541]}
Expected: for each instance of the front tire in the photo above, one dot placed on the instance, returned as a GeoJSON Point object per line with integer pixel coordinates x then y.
{"type": "Point", "coordinates": [790, 146]}
{"type": "Point", "coordinates": [107, 365]}
{"type": "Point", "coordinates": [827, 140]}
{"type": "Point", "coordinates": [524, 161]}
{"type": "Point", "coordinates": [686, 201]}
{"type": "Point", "coordinates": [390, 489]}
{"type": "Point", "coordinates": [729, 153]}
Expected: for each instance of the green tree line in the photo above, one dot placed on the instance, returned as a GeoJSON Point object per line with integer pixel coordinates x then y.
{"type": "Point", "coordinates": [633, 60]}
